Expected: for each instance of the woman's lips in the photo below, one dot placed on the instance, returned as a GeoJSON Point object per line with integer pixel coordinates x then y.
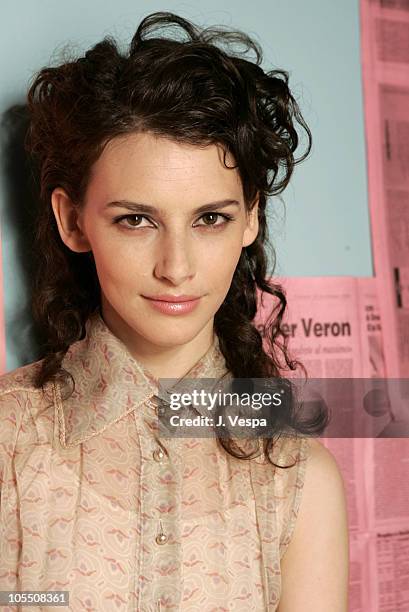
{"type": "Point", "coordinates": [173, 308]}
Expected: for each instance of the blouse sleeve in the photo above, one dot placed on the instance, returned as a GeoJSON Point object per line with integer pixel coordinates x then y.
{"type": "Point", "coordinates": [290, 486]}
{"type": "Point", "coordinates": [11, 416]}
{"type": "Point", "coordinates": [9, 425]}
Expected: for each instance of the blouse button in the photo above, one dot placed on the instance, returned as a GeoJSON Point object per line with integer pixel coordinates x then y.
{"type": "Point", "coordinates": [158, 454]}
{"type": "Point", "coordinates": [161, 538]}
{"type": "Point", "coordinates": [159, 409]}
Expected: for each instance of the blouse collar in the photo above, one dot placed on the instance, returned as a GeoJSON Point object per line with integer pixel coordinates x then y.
{"type": "Point", "coordinates": [110, 382]}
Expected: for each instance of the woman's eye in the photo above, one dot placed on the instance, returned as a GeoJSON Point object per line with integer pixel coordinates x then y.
{"type": "Point", "coordinates": [225, 218]}
{"type": "Point", "coordinates": [132, 218]}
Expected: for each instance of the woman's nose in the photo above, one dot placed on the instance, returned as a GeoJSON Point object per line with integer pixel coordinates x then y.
{"type": "Point", "coordinates": [175, 262]}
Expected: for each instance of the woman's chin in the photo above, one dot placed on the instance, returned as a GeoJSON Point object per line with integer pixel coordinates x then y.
{"type": "Point", "coordinates": [169, 335]}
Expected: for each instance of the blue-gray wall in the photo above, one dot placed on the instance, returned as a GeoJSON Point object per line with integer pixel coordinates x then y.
{"type": "Point", "coordinates": [325, 230]}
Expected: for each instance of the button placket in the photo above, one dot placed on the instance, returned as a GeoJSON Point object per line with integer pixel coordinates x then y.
{"type": "Point", "coordinates": [160, 473]}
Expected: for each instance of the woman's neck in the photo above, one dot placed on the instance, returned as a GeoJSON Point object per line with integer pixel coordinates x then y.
{"type": "Point", "coordinates": [165, 360]}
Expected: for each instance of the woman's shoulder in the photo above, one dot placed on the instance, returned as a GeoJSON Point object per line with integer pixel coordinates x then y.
{"type": "Point", "coordinates": [323, 467]}
{"type": "Point", "coordinates": [17, 392]}
{"type": "Point", "coordinates": [317, 473]}
{"type": "Point", "coordinates": [26, 413]}
{"type": "Point", "coordinates": [313, 473]}
{"type": "Point", "coordinates": [20, 379]}
{"type": "Point", "coordinates": [306, 451]}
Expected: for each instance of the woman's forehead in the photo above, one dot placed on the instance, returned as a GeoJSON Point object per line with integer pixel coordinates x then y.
{"type": "Point", "coordinates": [154, 167]}
{"type": "Point", "coordinates": [146, 148]}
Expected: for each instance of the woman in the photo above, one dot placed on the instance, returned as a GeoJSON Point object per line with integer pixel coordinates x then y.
{"type": "Point", "coordinates": [155, 167]}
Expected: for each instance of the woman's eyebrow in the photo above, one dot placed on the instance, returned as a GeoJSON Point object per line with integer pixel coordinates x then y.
{"type": "Point", "coordinates": [139, 207]}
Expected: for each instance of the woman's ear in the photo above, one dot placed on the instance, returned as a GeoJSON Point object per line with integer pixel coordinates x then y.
{"type": "Point", "coordinates": [252, 227]}
{"type": "Point", "coordinates": [68, 221]}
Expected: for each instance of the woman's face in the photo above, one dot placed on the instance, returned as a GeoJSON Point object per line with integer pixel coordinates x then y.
{"type": "Point", "coordinates": [170, 249]}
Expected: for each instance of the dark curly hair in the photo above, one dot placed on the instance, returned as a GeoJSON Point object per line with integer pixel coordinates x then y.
{"type": "Point", "coordinates": [190, 90]}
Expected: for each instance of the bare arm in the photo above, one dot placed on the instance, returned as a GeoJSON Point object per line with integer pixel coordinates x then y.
{"type": "Point", "coordinates": [315, 566]}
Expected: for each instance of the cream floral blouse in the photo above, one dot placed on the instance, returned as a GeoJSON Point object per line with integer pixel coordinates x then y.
{"type": "Point", "coordinates": [94, 502]}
